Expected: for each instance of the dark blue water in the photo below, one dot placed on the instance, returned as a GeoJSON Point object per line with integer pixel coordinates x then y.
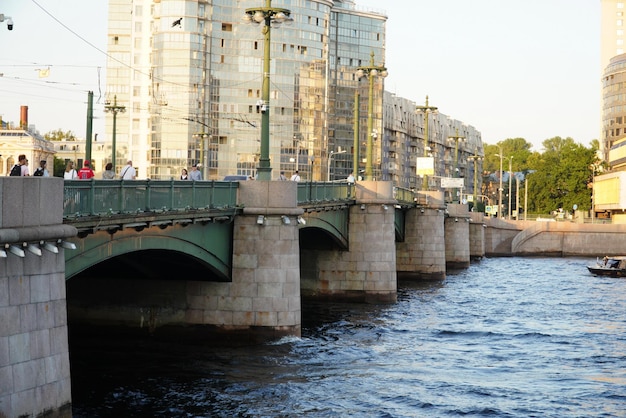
{"type": "Point", "coordinates": [509, 337]}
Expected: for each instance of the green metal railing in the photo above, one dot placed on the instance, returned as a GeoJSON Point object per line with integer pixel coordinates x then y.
{"type": "Point", "coordinates": [404, 195]}
{"type": "Point", "coordinates": [313, 192]}
{"type": "Point", "coordinates": [101, 197]}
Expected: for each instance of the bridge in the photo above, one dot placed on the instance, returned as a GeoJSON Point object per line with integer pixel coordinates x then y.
{"type": "Point", "coordinates": [219, 260]}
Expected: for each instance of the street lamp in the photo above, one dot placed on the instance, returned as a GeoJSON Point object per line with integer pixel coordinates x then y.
{"type": "Point", "coordinates": [371, 71]}
{"type": "Point", "coordinates": [330, 156]}
{"type": "Point", "coordinates": [203, 137]}
{"type": "Point", "coordinates": [268, 16]}
{"type": "Point", "coordinates": [475, 158]}
{"type": "Point", "coordinates": [114, 109]}
{"type": "Point", "coordinates": [510, 184]}
{"type": "Point", "coordinates": [500, 189]}
{"type": "Point", "coordinates": [426, 110]}
{"type": "Point", "coordinates": [456, 139]}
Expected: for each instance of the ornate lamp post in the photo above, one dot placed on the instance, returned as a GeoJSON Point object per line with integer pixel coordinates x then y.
{"type": "Point", "coordinates": [203, 138]}
{"type": "Point", "coordinates": [114, 109]}
{"type": "Point", "coordinates": [371, 71]}
{"type": "Point", "coordinates": [510, 184]}
{"type": "Point", "coordinates": [330, 159]}
{"type": "Point", "coordinates": [456, 138]}
{"type": "Point", "coordinates": [475, 158]}
{"type": "Point", "coordinates": [267, 16]}
{"type": "Point", "coordinates": [426, 110]}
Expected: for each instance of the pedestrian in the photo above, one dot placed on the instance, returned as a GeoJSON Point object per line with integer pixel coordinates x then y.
{"type": "Point", "coordinates": [86, 172]}
{"type": "Point", "coordinates": [296, 176]}
{"type": "Point", "coordinates": [184, 175]}
{"type": "Point", "coordinates": [108, 173]}
{"type": "Point", "coordinates": [24, 165]}
{"type": "Point", "coordinates": [350, 178]}
{"type": "Point", "coordinates": [70, 173]}
{"type": "Point", "coordinates": [282, 176]}
{"type": "Point", "coordinates": [129, 172]}
{"type": "Point", "coordinates": [195, 174]}
{"type": "Point", "coordinates": [42, 171]}
{"type": "Point", "coordinates": [18, 169]}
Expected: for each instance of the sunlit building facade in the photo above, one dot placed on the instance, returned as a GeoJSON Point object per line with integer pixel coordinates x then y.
{"type": "Point", "coordinates": [23, 138]}
{"type": "Point", "coordinates": [189, 74]}
{"type": "Point", "coordinates": [613, 64]}
{"type": "Point", "coordinates": [453, 145]}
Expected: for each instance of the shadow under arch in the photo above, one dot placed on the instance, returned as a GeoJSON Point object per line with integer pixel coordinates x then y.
{"type": "Point", "coordinates": [158, 247]}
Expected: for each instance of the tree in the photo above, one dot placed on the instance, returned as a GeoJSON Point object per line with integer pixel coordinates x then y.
{"type": "Point", "coordinates": [561, 176]}
{"type": "Point", "coordinates": [519, 149]}
{"type": "Point", "coordinates": [59, 135]}
{"type": "Point", "coordinates": [59, 167]}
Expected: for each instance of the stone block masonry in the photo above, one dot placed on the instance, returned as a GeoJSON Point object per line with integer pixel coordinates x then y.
{"type": "Point", "coordinates": [34, 353]}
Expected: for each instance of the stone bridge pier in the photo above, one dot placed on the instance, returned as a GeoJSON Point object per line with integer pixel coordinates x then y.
{"type": "Point", "coordinates": [366, 270]}
{"type": "Point", "coordinates": [262, 301]}
{"type": "Point", "coordinates": [34, 353]}
{"type": "Point", "coordinates": [457, 233]}
{"type": "Point", "coordinates": [422, 255]}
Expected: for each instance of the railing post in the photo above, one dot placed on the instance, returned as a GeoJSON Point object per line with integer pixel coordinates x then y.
{"type": "Point", "coordinates": [171, 194]}
{"type": "Point", "coordinates": [148, 201]}
{"type": "Point", "coordinates": [92, 197]}
{"type": "Point", "coordinates": [193, 194]}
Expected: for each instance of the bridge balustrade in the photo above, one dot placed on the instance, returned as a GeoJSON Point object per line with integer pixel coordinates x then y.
{"type": "Point", "coordinates": [102, 197]}
{"type": "Point", "coordinates": [313, 192]}
{"type": "Point", "coordinates": [403, 195]}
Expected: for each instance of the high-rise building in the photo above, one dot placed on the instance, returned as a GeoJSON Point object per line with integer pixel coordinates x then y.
{"type": "Point", "coordinates": [189, 73]}
{"type": "Point", "coordinates": [613, 66]}
{"type": "Point", "coordinates": [612, 27]}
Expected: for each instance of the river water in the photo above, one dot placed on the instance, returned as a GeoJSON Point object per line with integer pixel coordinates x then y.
{"type": "Point", "coordinates": [508, 337]}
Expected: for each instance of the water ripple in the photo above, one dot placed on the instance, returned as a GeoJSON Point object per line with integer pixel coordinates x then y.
{"type": "Point", "coordinates": [508, 337]}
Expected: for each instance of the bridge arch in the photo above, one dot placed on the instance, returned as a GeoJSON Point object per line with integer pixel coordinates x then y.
{"type": "Point", "coordinates": [196, 243]}
{"type": "Point", "coordinates": [332, 225]}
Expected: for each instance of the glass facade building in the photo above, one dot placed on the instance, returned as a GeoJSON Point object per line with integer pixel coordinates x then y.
{"type": "Point", "coordinates": [190, 76]}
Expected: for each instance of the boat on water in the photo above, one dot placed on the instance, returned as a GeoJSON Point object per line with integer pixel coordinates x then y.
{"type": "Point", "coordinates": [611, 266]}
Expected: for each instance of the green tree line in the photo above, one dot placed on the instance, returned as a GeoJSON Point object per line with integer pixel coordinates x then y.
{"type": "Point", "coordinates": [559, 177]}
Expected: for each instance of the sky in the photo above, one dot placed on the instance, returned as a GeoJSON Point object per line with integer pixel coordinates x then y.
{"type": "Point", "coordinates": [511, 68]}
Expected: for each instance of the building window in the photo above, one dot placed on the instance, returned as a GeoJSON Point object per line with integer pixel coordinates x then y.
{"type": "Point", "coordinates": [227, 27]}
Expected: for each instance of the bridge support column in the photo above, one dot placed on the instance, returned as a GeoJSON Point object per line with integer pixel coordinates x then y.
{"type": "Point", "coordinates": [34, 351]}
{"type": "Point", "coordinates": [457, 232]}
{"type": "Point", "coordinates": [264, 297]}
{"type": "Point", "coordinates": [477, 236]}
{"type": "Point", "coordinates": [422, 255]}
{"type": "Point", "coordinates": [366, 272]}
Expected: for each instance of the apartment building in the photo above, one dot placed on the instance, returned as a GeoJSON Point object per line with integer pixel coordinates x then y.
{"type": "Point", "coordinates": [189, 74]}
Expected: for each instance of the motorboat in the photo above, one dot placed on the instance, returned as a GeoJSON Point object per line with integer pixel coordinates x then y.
{"type": "Point", "coordinates": [611, 266]}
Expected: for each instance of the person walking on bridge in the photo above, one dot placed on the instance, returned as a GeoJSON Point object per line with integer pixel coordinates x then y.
{"type": "Point", "coordinates": [129, 172]}
{"type": "Point", "coordinates": [195, 175]}
{"type": "Point", "coordinates": [86, 172]}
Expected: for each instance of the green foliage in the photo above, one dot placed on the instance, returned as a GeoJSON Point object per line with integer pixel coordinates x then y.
{"type": "Point", "coordinates": [518, 148]}
{"type": "Point", "coordinates": [59, 167]}
{"type": "Point", "coordinates": [59, 135]}
{"type": "Point", "coordinates": [562, 177]}
{"type": "Point", "coordinates": [559, 177]}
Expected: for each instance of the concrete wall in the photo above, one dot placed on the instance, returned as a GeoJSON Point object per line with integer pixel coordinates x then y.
{"type": "Point", "coordinates": [570, 239]}
{"type": "Point", "coordinates": [34, 354]}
